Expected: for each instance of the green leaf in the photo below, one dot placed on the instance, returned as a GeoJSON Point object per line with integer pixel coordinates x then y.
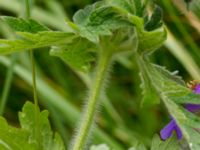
{"type": "Point", "coordinates": [150, 95]}
{"type": "Point", "coordinates": [78, 54]}
{"type": "Point", "coordinates": [100, 20]}
{"type": "Point", "coordinates": [28, 123]}
{"type": "Point", "coordinates": [170, 75]}
{"type": "Point", "coordinates": [191, 98]}
{"type": "Point", "coordinates": [149, 92]}
{"type": "Point", "coordinates": [23, 138]}
{"type": "Point", "coordinates": [158, 81]}
{"type": "Point", "coordinates": [13, 138]}
{"type": "Point", "coordinates": [22, 25]}
{"type": "Point", "coordinates": [166, 83]}
{"type": "Point", "coordinates": [100, 147]}
{"type": "Point", "coordinates": [29, 41]}
{"type": "Point", "coordinates": [74, 50]}
{"type": "Point", "coordinates": [173, 92]}
{"type": "Point", "coordinates": [169, 144]}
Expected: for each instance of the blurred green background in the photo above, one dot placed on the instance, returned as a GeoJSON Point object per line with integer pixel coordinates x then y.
{"type": "Point", "coordinates": [62, 90]}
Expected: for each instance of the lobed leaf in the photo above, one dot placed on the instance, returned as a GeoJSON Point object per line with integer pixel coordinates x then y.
{"type": "Point", "coordinates": [22, 25]}
{"type": "Point", "coordinates": [28, 123]}
{"type": "Point", "coordinates": [32, 41]}
{"type": "Point", "coordinates": [100, 20]}
{"type": "Point", "coordinates": [23, 138]}
{"type": "Point", "coordinates": [14, 139]}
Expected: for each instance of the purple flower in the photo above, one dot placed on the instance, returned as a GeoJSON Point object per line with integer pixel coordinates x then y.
{"type": "Point", "coordinates": [172, 126]}
{"type": "Point", "coordinates": [167, 131]}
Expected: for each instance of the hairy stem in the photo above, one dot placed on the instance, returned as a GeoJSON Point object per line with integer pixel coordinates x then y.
{"type": "Point", "coordinates": [6, 88]}
{"type": "Point", "coordinates": [94, 94]}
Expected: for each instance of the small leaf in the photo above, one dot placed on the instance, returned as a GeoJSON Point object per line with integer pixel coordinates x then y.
{"type": "Point", "coordinates": [22, 25]}
{"type": "Point", "coordinates": [28, 123]}
{"type": "Point", "coordinates": [14, 139]}
{"type": "Point", "coordinates": [23, 138]}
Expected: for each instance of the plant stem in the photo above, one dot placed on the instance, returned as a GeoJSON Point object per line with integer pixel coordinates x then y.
{"type": "Point", "coordinates": [37, 129]}
{"type": "Point", "coordinates": [6, 88]}
{"type": "Point", "coordinates": [27, 9]}
{"type": "Point", "coordinates": [34, 79]}
{"type": "Point", "coordinates": [92, 105]}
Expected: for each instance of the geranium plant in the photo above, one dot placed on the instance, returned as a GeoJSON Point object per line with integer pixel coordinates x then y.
{"type": "Point", "coordinates": [99, 35]}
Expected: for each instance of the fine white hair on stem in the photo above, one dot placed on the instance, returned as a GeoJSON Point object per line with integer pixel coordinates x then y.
{"type": "Point", "coordinates": [92, 103]}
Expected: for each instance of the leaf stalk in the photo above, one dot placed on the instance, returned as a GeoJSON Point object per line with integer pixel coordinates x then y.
{"type": "Point", "coordinates": [37, 130]}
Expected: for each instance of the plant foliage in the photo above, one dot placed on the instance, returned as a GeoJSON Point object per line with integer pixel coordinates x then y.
{"type": "Point", "coordinates": [104, 28]}
{"type": "Point", "coordinates": [24, 138]}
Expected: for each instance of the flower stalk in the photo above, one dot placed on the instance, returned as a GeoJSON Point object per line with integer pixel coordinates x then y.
{"type": "Point", "coordinates": [95, 91]}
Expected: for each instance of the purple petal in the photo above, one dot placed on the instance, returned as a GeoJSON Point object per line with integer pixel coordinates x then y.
{"type": "Point", "coordinates": [197, 89]}
{"type": "Point", "coordinates": [167, 131]}
{"type": "Point", "coordinates": [178, 132]}
{"type": "Point", "coordinates": [192, 107]}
